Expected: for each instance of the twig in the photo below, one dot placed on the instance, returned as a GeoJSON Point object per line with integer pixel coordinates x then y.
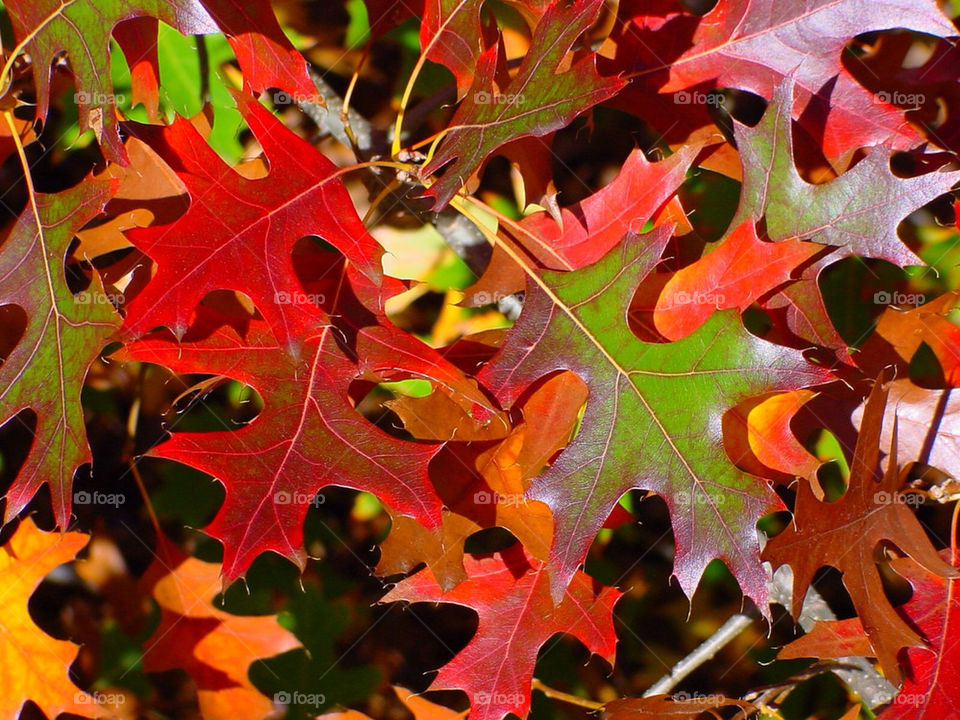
{"type": "Point", "coordinates": [565, 697]}
{"type": "Point", "coordinates": [329, 118]}
{"type": "Point", "coordinates": [857, 672]}
{"type": "Point", "coordinates": [203, 59]}
{"type": "Point", "coordinates": [704, 652]}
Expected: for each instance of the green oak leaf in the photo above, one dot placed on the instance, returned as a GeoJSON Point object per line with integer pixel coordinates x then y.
{"type": "Point", "coordinates": [64, 334]}
{"type": "Point", "coordinates": [857, 211]}
{"type": "Point", "coordinates": [653, 419]}
{"type": "Point", "coordinates": [81, 29]}
{"type": "Point", "coordinates": [537, 101]}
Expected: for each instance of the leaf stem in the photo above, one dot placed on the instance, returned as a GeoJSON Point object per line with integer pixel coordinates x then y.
{"type": "Point", "coordinates": [565, 697]}
{"type": "Point", "coordinates": [345, 107]}
{"type": "Point", "coordinates": [203, 60]}
{"type": "Point", "coordinates": [518, 230]}
{"type": "Point", "coordinates": [407, 92]}
{"type": "Point", "coordinates": [154, 520]}
{"type": "Point", "coordinates": [953, 534]}
{"type": "Point", "coordinates": [133, 420]}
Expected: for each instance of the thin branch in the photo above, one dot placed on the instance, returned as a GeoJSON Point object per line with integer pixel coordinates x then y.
{"type": "Point", "coordinates": [565, 697]}
{"type": "Point", "coordinates": [203, 58]}
{"type": "Point", "coordinates": [331, 118]}
{"type": "Point", "coordinates": [704, 652]}
{"type": "Point", "coordinates": [857, 672]}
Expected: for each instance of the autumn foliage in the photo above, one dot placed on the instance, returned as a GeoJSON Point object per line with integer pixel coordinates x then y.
{"type": "Point", "coordinates": [499, 350]}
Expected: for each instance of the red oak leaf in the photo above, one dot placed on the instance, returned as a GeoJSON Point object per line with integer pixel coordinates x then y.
{"type": "Point", "coordinates": [592, 227]}
{"type": "Point", "coordinates": [307, 437]}
{"type": "Point", "coordinates": [238, 234]}
{"type": "Point", "coordinates": [511, 594]}
{"type": "Point", "coordinates": [753, 44]}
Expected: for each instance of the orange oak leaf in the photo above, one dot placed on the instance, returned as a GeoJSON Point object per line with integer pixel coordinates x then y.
{"type": "Point", "coordinates": [34, 664]}
{"type": "Point", "coordinates": [846, 533]}
{"type": "Point", "coordinates": [930, 689]}
{"type": "Point", "coordinates": [735, 274]}
{"type": "Point", "coordinates": [488, 489]}
{"type": "Point", "coordinates": [214, 647]}
{"type": "Point", "coordinates": [769, 437]}
{"type": "Point", "coordinates": [899, 334]}
{"type": "Point", "coordinates": [657, 707]}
